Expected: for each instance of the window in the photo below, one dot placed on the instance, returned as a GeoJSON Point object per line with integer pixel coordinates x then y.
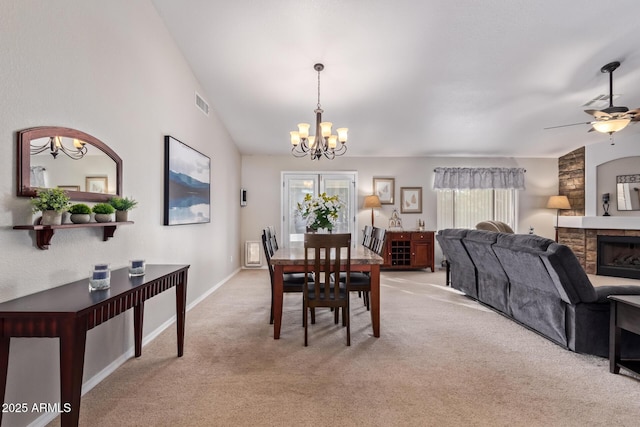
{"type": "Point", "coordinates": [464, 208]}
{"type": "Point", "coordinates": [296, 185]}
{"type": "Point", "coordinates": [467, 196]}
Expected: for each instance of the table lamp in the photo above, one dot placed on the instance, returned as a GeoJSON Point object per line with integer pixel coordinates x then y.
{"type": "Point", "coordinates": [557, 203]}
{"type": "Point", "coordinates": [372, 202]}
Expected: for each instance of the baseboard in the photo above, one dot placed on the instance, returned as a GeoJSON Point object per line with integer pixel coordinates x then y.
{"type": "Point", "coordinates": [46, 418]}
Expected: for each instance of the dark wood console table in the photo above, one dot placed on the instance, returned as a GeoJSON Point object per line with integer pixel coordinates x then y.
{"type": "Point", "coordinates": [69, 311]}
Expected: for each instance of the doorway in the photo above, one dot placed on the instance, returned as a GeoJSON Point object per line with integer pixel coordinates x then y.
{"type": "Point", "coordinates": [296, 185]}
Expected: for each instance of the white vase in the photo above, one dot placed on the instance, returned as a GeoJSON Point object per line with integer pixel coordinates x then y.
{"type": "Point", "coordinates": [51, 218]}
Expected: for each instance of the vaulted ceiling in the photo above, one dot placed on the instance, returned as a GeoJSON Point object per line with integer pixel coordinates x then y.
{"type": "Point", "coordinates": [412, 77]}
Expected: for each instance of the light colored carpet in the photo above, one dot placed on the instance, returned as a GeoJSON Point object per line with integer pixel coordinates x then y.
{"type": "Point", "coordinates": [441, 360]}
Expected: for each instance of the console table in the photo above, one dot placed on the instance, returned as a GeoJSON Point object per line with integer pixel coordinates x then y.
{"type": "Point", "coordinates": [69, 311]}
{"type": "Point", "coordinates": [625, 314]}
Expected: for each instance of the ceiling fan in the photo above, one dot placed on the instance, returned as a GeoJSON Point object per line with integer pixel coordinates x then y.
{"type": "Point", "coordinates": [611, 119]}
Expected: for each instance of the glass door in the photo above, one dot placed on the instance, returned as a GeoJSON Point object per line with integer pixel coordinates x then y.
{"type": "Point", "coordinates": [296, 186]}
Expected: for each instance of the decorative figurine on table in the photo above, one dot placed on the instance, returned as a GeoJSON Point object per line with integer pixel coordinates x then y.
{"type": "Point", "coordinates": [605, 204]}
{"type": "Point", "coordinates": [395, 222]}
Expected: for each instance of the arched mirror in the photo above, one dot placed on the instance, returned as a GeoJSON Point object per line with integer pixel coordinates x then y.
{"type": "Point", "coordinates": [50, 157]}
{"type": "Point", "coordinates": [628, 192]}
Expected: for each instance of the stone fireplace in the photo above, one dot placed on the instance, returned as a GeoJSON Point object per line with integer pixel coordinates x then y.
{"type": "Point", "coordinates": [618, 256]}
{"type": "Point", "coordinates": [584, 236]}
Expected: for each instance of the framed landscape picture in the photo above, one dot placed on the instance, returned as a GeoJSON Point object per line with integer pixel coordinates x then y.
{"type": "Point", "coordinates": [187, 175]}
{"type": "Point", "coordinates": [96, 184]}
{"type": "Point", "coordinates": [384, 188]}
{"type": "Point", "coordinates": [411, 200]}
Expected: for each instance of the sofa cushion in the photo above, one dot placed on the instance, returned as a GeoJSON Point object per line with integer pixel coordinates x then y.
{"type": "Point", "coordinates": [462, 269]}
{"type": "Point", "coordinates": [533, 297]}
{"type": "Point", "coordinates": [493, 284]}
{"type": "Point", "coordinates": [570, 278]}
{"type": "Point", "coordinates": [523, 241]}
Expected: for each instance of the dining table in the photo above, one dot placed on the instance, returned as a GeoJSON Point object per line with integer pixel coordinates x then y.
{"type": "Point", "coordinates": [291, 260]}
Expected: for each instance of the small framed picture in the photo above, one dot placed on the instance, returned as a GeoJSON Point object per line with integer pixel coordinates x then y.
{"type": "Point", "coordinates": [384, 188]}
{"type": "Point", "coordinates": [411, 199]}
{"type": "Point", "coordinates": [70, 187]}
{"type": "Point", "coordinates": [96, 184]}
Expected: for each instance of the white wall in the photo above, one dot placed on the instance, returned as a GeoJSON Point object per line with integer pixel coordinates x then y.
{"type": "Point", "coordinates": [626, 145]}
{"type": "Point", "coordinates": [108, 68]}
{"type": "Point", "coordinates": [261, 178]}
{"type": "Point", "coordinates": [606, 182]}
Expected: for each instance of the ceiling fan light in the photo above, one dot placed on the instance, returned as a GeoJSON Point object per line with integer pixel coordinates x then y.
{"type": "Point", "coordinates": [610, 126]}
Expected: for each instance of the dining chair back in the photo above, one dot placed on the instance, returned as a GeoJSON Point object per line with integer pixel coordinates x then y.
{"type": "Point", "coordinates": [324, 256]}
{"type": "Point", "coordinates": [377, 240]}
{"type": "Point", "coordinates": [291, 282]}
{"type": "Point", "coordinates": [274, 240]}
{"type": "Point", "coordinates": [366, 237]}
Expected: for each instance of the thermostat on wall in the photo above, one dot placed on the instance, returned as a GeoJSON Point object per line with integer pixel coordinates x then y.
{"type": "Point", "coordinates": [243, 197]}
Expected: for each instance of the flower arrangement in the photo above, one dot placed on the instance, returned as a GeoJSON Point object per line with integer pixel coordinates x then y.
{"type": "Point", "coordinates": [320, 212]}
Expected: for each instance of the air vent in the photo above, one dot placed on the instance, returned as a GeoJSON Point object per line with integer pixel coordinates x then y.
{"type": "Point", "coordinates": [202, 104]}
{"type": "Point", "coordinates": [600, 101]}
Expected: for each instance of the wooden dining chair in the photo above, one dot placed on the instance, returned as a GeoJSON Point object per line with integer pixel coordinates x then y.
{"type": "Point", "coordinates": [274, 240]}
{"type": "Point", "coordinates": [291, 282]}
{"type": "Point", "coordinates": [325, 255]}
{"type": "Point", "coordinates": [361, 281]}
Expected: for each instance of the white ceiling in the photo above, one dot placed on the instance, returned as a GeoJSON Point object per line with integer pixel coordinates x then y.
{"type": "Point", "coordinates": [411, 77]}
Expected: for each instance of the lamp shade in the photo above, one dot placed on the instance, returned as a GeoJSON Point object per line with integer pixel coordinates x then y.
{"type": "Point", "coordinates": [558, 202]}
{"type": "Point", "coordinates": [372, 201]}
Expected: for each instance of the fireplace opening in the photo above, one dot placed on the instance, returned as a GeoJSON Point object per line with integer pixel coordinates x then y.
{"type": "Point", "coordinates": [619, 256]}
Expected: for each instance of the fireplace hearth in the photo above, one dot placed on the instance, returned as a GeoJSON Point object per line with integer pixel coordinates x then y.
{"type": "Point", "coordinates": [619, 256]}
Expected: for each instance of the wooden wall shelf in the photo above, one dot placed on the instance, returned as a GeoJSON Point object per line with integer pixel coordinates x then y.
{"type": "Point", "coordinates": [44, 233]}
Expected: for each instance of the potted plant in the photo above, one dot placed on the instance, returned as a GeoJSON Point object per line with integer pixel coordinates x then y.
{"type": "Point", "coordinates": [122, 205]}
{"type": "Point", "coordinates": [104, 212]}
{"type": "Point", "coordinates": [80, 213]}
{"type": "Point", "coordinates": [51, 202]}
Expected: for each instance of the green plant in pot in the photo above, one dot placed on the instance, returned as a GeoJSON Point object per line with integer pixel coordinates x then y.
{"type": "Point", "coordinates": [80, 213]}
{"type": "Point", "coordinates": [104, 212]}
{"type": "Point", "coordinates": [122, 205]}
{"type": "Point", "coordinates": [51, 202]}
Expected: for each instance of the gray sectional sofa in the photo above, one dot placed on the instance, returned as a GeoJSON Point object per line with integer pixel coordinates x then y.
{"type": "Point", "coordinates": [538, 283]}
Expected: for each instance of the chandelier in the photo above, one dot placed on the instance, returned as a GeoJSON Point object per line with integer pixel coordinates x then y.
{"type": "Point", "coordinates": [323, 142]}
{"type": "Point", "coordinates": [54, 144]}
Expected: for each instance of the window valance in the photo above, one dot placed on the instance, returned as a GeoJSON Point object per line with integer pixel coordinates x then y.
{"type": "Point", "coordinates": [478, 178]}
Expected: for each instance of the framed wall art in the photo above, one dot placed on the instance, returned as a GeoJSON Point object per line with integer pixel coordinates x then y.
{"type": "Point", "coordinates": [96, 184]}
{"type": "Point", "coordinates": [187, 176]}
{"type": "Point", "coordinates": [411, 199]}
{"type": "Point", "coordinates": [70, 187]}
{"type": "Point", "coordinates": [384, 188]}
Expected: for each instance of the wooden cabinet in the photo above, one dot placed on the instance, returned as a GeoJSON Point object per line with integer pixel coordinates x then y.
{"type": "Point", "coordinates": [408, 249]}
